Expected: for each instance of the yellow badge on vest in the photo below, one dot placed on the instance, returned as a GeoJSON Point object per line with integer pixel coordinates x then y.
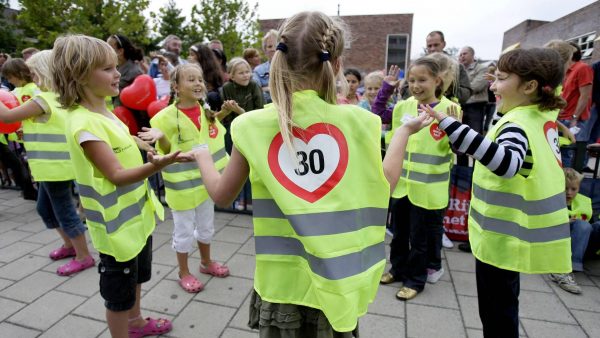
{"type": "Point", "coordinates": [319, 164]}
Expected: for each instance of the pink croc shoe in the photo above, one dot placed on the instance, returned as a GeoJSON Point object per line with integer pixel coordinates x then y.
{"type": "Point", "coordinates": [61, 253]}
{"type": "Point", "coordinates": [215, 269]}
{"type": "Point", "coordinates": [191, 284]}
{"type": "Point", "coordinates": [75, 266]}
{"type": "Point", "coordinates": [153, 327]}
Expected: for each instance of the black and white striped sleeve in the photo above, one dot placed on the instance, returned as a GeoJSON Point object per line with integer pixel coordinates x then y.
{"type": "Point", "coordinates": [504, 157]}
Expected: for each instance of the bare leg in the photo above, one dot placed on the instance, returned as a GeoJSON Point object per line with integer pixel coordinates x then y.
{"type": "Point", "coordinates": [117, 323]}
{"type": "Point", "coordinates": [182, 261]}
{"type": "Point", "coordinates": [204, 253]}
{"type": "Point", "coordinates": [81, 248]}
{"type": "Point", "coordinates": [66, 240]}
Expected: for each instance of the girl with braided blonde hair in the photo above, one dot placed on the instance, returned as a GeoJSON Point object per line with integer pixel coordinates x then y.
{"type": "Point", "coordinates": [320, 190]}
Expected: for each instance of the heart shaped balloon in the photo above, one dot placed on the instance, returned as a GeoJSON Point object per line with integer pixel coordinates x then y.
{"type": "Point", "coordinates": [140, 93]}
{"type": "Point", "coordinates": [126, 116]}
{"type": "Point", "coordinates": [156, 106]}
{"type": "Point", "coordinates": [10, 101]}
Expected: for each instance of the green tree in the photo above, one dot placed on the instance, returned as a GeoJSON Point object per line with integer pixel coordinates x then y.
{"type": "Point", "coordinates": [169, 21]}
{"type": "Point", "coordinates": [8, 31]}
{"type": "Point", "coordinates": [231, 21]}
{"type": "Point", "coordinates": [44, 21]}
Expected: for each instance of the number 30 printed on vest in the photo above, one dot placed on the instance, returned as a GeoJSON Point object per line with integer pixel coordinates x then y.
{"type": "Point", "coordinates": [319, 162]}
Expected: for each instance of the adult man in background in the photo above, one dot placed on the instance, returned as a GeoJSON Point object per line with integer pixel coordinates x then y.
{"type": "Point", "coordinates": [261, 72]}
{"type": "Point", "coordinates": [172, 44]}
{"type": "Point", "coordinates": [474, 109]}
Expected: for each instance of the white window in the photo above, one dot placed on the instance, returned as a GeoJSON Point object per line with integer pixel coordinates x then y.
{"type": "Point", "coordinates": [396, 50]}
{"type": "Point", "coordinates": [586, 43]}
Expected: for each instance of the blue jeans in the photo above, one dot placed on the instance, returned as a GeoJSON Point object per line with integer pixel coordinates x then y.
{"type": "Point", "coordinates": [55, 206]}
{"type": "Point", "coordinates": [568, 153]}
{"type": "Point", "coordinates": [580, 235]}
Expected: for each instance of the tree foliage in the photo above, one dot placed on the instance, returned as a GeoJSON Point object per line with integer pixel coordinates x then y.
{"type": "Point", "coordinates": [45, 20]}
{"type": "Point", "coordinates": [8, 35]}
{"type": "Point", "coordinates": [169, 21]}
{"type": "Point", "coordinates": [231, 21]}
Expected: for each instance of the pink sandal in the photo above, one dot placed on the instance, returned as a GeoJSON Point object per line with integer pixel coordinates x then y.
{"type": "Point", "coordinates": [215, 269]}
{"type": "Point", "coordinates": [62, 252]}
{"type": "Point", "coordinates": [153, 327]}
{"type": "Point", "coordinates": [75, 266]}
{"type": "Point", "coordinates": [191, 284]}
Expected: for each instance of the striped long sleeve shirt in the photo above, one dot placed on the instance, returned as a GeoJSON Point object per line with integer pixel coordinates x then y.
{"type": "Point", "coordinates": [506, 157]}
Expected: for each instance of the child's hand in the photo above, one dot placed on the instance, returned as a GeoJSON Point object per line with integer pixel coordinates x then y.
{"type": "Point", "coordinates": [415, 124]}
{"type": "Point", "coordinates": [150, 134]}
{"type": "Point", "coordinates": [186, 157]}
{"type": "Point", "coordinates": [392, 77]}
{"type": "Point", "coordinates": [453, 112]}
{"type": "Point", "coordinates": [436, 115]}
{"type": "Point", "coordinates": [164, 160]}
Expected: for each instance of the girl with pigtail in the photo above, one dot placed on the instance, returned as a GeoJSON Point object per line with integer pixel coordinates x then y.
{"type": "Point", "coordinates": [317, 182]}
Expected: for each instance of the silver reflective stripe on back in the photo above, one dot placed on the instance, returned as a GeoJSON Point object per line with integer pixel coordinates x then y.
{"type": "Point", "coordinates": [330, 268]}
{"type": "Point", "coordinates": [193, 183]}
{"type": "Point", "coordinates": [51, 138]}
{"type": "Point", "coordinates": [325, 223]}
{"type": "Point", "coordinates": [110, 199]}
{"type": "Point", "coordinates": [426, 178]}
{"type": "Point", "coordinates": [48, 155]}
{"type": "Point", "coordinates": [219, 155]}
{"type": "Point", "coordinates": [124, 215]}
{"type": "Point", "coordinates": [547, 234]}
{"type": "Point", "coordinates": [180, 167]}
{"type": "Point", "coordinates": [428, 159]}
{"type": "Point", "coordinates": [515, 201]}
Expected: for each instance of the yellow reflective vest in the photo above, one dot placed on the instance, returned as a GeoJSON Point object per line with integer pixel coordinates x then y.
{"type": "Point", "coordinates": [25, 93]}
{"type": "Point", "coordinates": [581, 208]}
{"type": "Point", "coordinates": [319, 213]}
{"type": "Point", "coordinates": [183, 182]}
{"type": "Point", "coordinates": [119, 218]}
{"type": "Point", "coordinates": [521, 223]}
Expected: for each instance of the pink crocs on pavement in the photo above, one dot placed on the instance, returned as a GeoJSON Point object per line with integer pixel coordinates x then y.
{"type": "Point", "coordinates": [61, 253]}
{"type": "Point", "coordinates": [75, 266]}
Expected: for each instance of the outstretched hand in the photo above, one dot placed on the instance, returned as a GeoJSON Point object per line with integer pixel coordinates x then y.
{"type": "Point", "coordinates": [415, 124]}
{"type": "Point", "coordinates": [150, 135]}
{"type": "Point", "coordinates": [392, 76]}
{"type": "Point", "coordinates": [438, 115]}
{"type": "Point", "coordinates": [162, 161]}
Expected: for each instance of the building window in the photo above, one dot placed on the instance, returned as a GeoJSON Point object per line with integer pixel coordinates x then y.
{"type": "Point", "coordinates": [396, 51]}
{"type": "Point", "coordinates": [586, 43]}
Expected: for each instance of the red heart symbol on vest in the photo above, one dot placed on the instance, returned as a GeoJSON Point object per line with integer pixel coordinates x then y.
{"type": "Point", "coordinates": [319, 165]}
{"type": "Point", "coordinates": [140, 93]}
{"type": "Point", "coordinates": [213, 130]}
{"type": "Point", "coordinates": [436, 132]}
{"type": "Point", "coordinates": [551, 133]}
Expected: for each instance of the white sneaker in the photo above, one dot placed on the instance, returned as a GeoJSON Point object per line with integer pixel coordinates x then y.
{"type": "Point", "coordinates": [446, 242]}
{"type": "Point", "coordinates": [433, 276]}
{"type": "Point", "coordinates": [566, 281]}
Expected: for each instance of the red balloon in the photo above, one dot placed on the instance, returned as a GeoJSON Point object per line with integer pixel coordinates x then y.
{"type": "Point", "coordinates": [140, 93]}
{"type": "Point", "coordinates": [9, 101]}
{"type": "Point", "coordinates": [126, 116]}
{"type": "Point", "coordinates": [157, 106]}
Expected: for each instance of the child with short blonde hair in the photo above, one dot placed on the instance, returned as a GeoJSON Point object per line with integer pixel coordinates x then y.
{"type": "Point", "coordinates": [372, 83]}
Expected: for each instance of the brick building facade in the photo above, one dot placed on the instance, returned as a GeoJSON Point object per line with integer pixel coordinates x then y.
{"type": "Point", "coordinates": [581, 26]}
{"type": "Point", "coordinates": [377, 41]}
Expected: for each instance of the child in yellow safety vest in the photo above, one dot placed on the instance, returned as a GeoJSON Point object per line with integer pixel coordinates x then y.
{"type": "Point", "coordinates": [319, 188]}
{"type": "Point", "coordinates": [119, 205]}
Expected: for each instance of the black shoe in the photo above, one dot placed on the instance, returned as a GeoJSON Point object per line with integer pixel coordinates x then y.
{"type": "Point", "coordinates": [466, 247]}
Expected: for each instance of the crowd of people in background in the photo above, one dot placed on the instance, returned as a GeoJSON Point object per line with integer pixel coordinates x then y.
{"type": "Point", "coordinates": [204, 92]}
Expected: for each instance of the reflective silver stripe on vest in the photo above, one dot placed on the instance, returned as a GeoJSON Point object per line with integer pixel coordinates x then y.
{"type": "Point", "coordinates": [219, 155]}
{"type": "Point", "coordinates": [547, 234]}
{"type": "Point", "coordinates": [426, 178]}
{"type": "Point", "coordinates": [326, 223]}
{"type": "Point", "coordinates": [181, 167]}
{"type": "Point", "coordinates": [48, 155]}
{"type": "Point", "coordinates": [428, 159]}
{"type": "Point", "coordinates": [51, 138]}
{"type": "Point", "coordinates": [111, 199]}
{"type": "Point", "coordinates": [510, 200]}
{"type": "Point", "coordinates": [193, 183]}
{"type": "Point", "coordinates": [330, 268]}
{"type": "Point", "coordinates": [124, 215]}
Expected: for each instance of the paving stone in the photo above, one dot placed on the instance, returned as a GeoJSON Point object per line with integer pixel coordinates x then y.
{"type": "Point", "coordinates": [16, 250]}
{"type": "Point", "coordinates": [166, 297]}
{"type": "Point", "coordinates": [440, 294]}
{"type": "Point", "coordinates": [22, 267]}
{"type": "Point", "coordinates": [159, 272]}
{"type": "Point", "coordinates": [464, 283]}
{"type": "Point", "coordinates": [13, 202]}
{"type": "Point", "coordinates": [543, 329]}
{"type": "Point", "coordinates": [472, 333]}
{"type": "Point", "coordinates": [4, 283]}
{"type": "Point", "coordinates": [248, 248]}
{"type": "Point", "coordinates": [159, 239]}
{"type": "Point", "coordinates": [233, 235]}
{"type": "Point", "coordinates": [240, 319]}
{"type": "Point", "coordinates": [43, 237]}
{"type": "Point", "coordinates": [235, 333]}
{"type": "Point", "coordinates": [45, 250]}
{"type": "Point", "coordinates": [23, 208]}
{"type": "Point", "coordinates": [543, 306]}
{"type": "Point", "coordinates": [46, 310]}
{"type": "Point", "coordinates": [74, 326]}
{"type": "Point", "coordinates": [427, 321]}
{"type": "Point", "coordinates": [242, 221]}
{"type": "Point", "coordinates": [10, 330]}
{"type": "Point", "coordinates": [372, 326]}
{"type": "Point", "coordinates": [8, 307]}
{"type": "Point", "coordinates": [230, 291]}
{"type": "Point", "coordinates": [588, 300]}
{"type": "Point", "coordinates": [84, 283]}
{"type": "Point", "coordinates": [446, 276]}
{"type": "Point", "coordinates": [33, 286]}
{"type": "Point", "coordinates": [227, 216]}
{"type": "Point", "coordinates": [9, 225]}
{"type": "Point", "coordinates": [589, 322]}
{"type": "Point", "coordinates": [470, 311]}
{"type": "Point", "coordinates": [165, 227]}
{"type": "Point", "coordinates": [93, 308]}
{"type": "Point", "coordinates": [201, 320]}
{"type": "Point", "coordinates": [582, 279]}
{"type": "Point", "coordinates": [385, 302]}
{"type": "Point", "coordinates": [165, 255]}
{"type": "Point", "coordinates": [242, 266]}
{"type": "Point", "coordinates": [12, 236]}
{"type": "Point", "coordinates": [33, 226]}
{"type": "Point", "coordinates": [460, 261]}
{"type": "Point", "coordinates": [534, 283]}
{"type": "Point", "coordinates": [220, 251]}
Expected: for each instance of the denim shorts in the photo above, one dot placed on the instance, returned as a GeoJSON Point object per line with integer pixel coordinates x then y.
{"type": "Point", "coordinates": [119, 280]}
{"type": "Point", "coordinates": [56, 207]}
